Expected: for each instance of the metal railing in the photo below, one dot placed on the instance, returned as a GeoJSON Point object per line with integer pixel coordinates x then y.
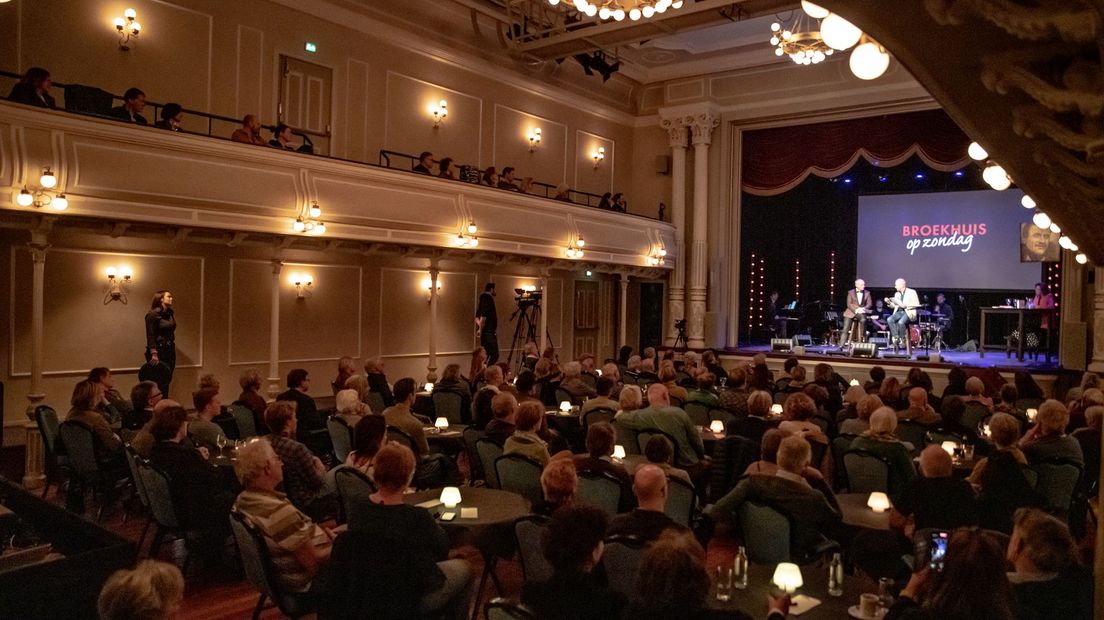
{"type": "Point", "coordinates": [227, 124]}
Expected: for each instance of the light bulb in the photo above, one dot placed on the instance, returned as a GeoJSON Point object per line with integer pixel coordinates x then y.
{"type": "Point", "coordinates": [996, 177]}
{"type": "Point", "coordinates": [976, 152]}
{"type": "Point", "coordinates": [1027, 201]}
{"type": "Point", "coordinates": [1081, 259]}
{"type": "Point", "coordinates": [677, 4]}
{"type": "Point", "coordinates": [787, 35]}
{"type": "Point", "coordinates": [1064, 241]}
{"type": "Point", "coordinates": [315, 210]}
{"type": "Point", "coordinates": [648, 11]}
{"type": "Point", "coordinates": [838, 33]}
{"type": "Point", "coordinates": [580, 242]}
{"type": "Point", "coordinates": [60, 203]}
{"type": "Point", "coordinates": [135, 27]}
{"type": "Point", "coordinates": [591, 10]}
{"type": "Point", "coordinates": [662, 7]}
{"type": "Point", "coordinates": [112, 272]}
{"type": "Point", "coordinates": [320, 229]}
{"type": "Point", "coordinates": [24, 199]}
{"type": "Point", "coordinates": [1054, 228]}
{"type": "Point", "coordinates": [775, 27]}
{"type": "Point", "coordinates": [119, 23]}
{"type": "Point", "coordinates": [618, 15]}
{"type": "Point", "coordinates": [604, 13]}
{"type": "Point", "coordinates": [130, 14]}
{"type": "Point", "coordinates": [127, 273]}
{"type": "Point", "coordinates": [1040, 219]}
{"type": "Point", "coordinates": [869, 61]}
{"type": "Point", "coordinates": [471, 228]}
{"type": "Point", "coordinates": [47, 180]}
{"type": "Point", "coordinates": [553, 2]}
{"type": "Point", "coordinates": [813, 10]}
{"type": "Point", "coordinates": [299, 226]}
{"type": "Point", "coordinates": [473, 242]}
{"type": "Point", "coordinates": [634, 14]}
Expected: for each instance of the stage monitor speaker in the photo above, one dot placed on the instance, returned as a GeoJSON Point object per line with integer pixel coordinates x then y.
{"type": "Point", "coordinates": [864, 349]}
{"type": "Point", "coordinates": [782, 344]}
{"type": "Point", "coordinates": [804, 339]}
{"type": "Point", "coordinates": [896, 356]}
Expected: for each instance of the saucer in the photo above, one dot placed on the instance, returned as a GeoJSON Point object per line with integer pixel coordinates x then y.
{"type": "Point", "coordinates": [854, 612]}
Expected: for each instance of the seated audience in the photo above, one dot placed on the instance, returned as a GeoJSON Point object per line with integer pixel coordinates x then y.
{"type": "Point", "coordinates": [612, 371]}
{"type": "Point", "coordinates": [648, 520]}
{"type": "Point", "coordinates": [349, 408]}
{"type": "Point", "coordinates": [400, 416]}
{"type": "Point", "coordinates": [152, 590]}
{"type": "Point", "coordinates": [452, 382]}
{"type": "Point", "coordinates": [425, 163]}
{"type": "Point", "coordinates": [282, 137]}
{"type": "Point", "coordinates": [881, 441]}
{"type": "Point", "coordinates": [673, 421]}
{"type": "Point", "coordinates": [572, 544]}
{"type": "Point", "coordinates": [251, 382]}
{"type": "Point", "coordinates": [85, 402]}
{"type": "Point", "coordinates": [659, 452]}
{"type": "Point", "coordinates": [204, 432]}
{"type": "Point", "coordinates": [975, 393]}
{"type": "Point", "coordinates": [447, 169]}
{"type": "Point", "coordinates": [525, 440]}
{"type": "Point", "coordinates": [172, 117]}
{"type": "Point", "coordinates": [495, 377]}
{"type": "Point", "coordinates": [1027, 387]}
{"type": "Point", "coordinates": [573, 383]}
{"type": "Point", "coordinates": [1089, 438]}
{"type": "Point", "coordinates": [115, 406]}
{"type": "Point", "coordinates": [559, 485]}
{"type": "Point", "coordinates": [1047, 439]}
{"type": "Point", "coordinates": [33, 89]}
{"type": "Point", "coordinates": [956, 382]}
{"type": "Point", "coordinates": [368, 437]}
{"type": "Point", "coordinates": [797, 415]}
{"type": "Point", "coordinates": [600, 441]}
{"type": "Point", "coordinates": [1004, 432]}
{"type": "Point", "coordinates": [604, 201]}
{"type": "Point", "coordinates": [950, 421]}
{"type": "Point", "coordinates": [735, 395]}
{"type": "Point", "coordinates": [377, 380]}
{"type": "Point", "coordinates": [490, 177]}
{"type": "Point", "coordinates": [705, 393]}
{"type": "Point", "coordinates": [1008, 397]}
{"type": "Point", "coordinates": [1000, 478]}
{"type": "Point", "coordinates": [303, 474]}
{"type": "Point", "coordinates": [851, 398]}
{"type": "Point", "coordinates": [877, 375]}
{"type": "Point", "coordinates": [298, 547]}
{"type": "Point", "coordinates": [972, 584]}
{"type": "Point", "coordinates": [249, 132]}
{"type": "Point", "coordinates": [504, 409]}
{"type": "Point", "coordinates": [647, 374]}
{"type": "Point", "coordinates": [346, 368]}
{"type": "Point", "coordinates": [306, 412]}
{"type": "Point", "coordinates": [918, 408]}
{"type": "Point", "coordinates": [507, 181]}
{"type": "Point", "coordinates": [767, 465]}
{"type": "Point", "coordinates": [618, 203]}
{"type": "Point", "coordinates": [866, 406]}
{"type": "Point", "coordinates": [826, 377]}
{"type": "Point", "coordinates": [631, 399]}
{"type": "Point", "coordinates": [602, 400]}
{"type": "Point", "coordinates": [410, 531]}
{"type": "Point", "coordinates": [563, 192]}
{"type": "Point", "coordinates": [142, 441]}
{"type": "Point", "coordinates": [481, 412]}
{"type": "Point", "coordinates": [525, 385]}
{"type": "Point", "coordinates": [669, 378]}
{"type": "Point", "coordinates": [1048, 580]}
{"type": "Point", "coordinates": [134, 101]}
{"type": "Point", "coordinates": [143, 396]}
{"type": "Point", "coordinates": [890, 392]}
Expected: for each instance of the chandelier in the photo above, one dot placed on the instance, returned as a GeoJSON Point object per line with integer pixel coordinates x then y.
{"type": "Point", "coordinates": [806, 45]}
{"type": "Point", "coordinates": [618, 10]}
{"type": "Point", "coordinates": [802, 44]}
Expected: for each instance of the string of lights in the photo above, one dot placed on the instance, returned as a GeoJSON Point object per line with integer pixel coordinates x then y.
{"type": "Point", "coordinates": [832, 276]}
{"type": "Point", "coordinates": [797, 279]}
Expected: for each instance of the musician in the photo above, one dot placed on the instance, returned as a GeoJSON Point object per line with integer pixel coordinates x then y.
{"type": "Point", "coordinates": [776, 321]}
{"type": "Point", "coordinates": [879, 316]}
{"type": "Point", "coordinates": [904, 304]}
{"type": "Point", "coordinates": [859, 305]}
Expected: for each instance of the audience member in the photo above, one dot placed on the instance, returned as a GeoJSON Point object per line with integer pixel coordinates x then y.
{"type": "Point", "coordinates": [172, 117]}
{"type": "Point", "coordinates": [249, 132]}
{"type": "Point", "coordinates": [34, 89]}
{"type": "Point", "coordinates": [950, 421]}
{"type": "Point", "coordinates": [600, 441]}
{"type": "Point", "coordinates": [134, 101]}
{"type": "Point", "coordinates": [881, 441]}
{"type": "Point", "coordinates": [303, 474]}
{"type": "Point", "coordinates": [85, 402]}
{"type": "Point", "coordinates": [425, 163]}
{"type": "Point", "coordinates": [504, 409]}
{"type": "Point", "coordinates": [890, 392]}
{"type": "Point", "coordinates": [1089, 438]}
{"type": "Point", "coordinates": [648, 520]}
{"type": "Point", "coordinates": [572, 544]}
{"type": "Point", "coordinates": [669, 378]}
{"type": "Point", "coordinates": [346, 367]}
{"type": "Point", "coordinates": [767, 465]}
{"type": "Point", "coordinates": [918, 408]}
{"type": "Point", "coordinates": [306, 412]}
{"type": "Point", "coordinates": [377, 380]}
{"type": "Point", "coordinates": [143, 396]}
{"type": "Point", "coordinates": [705, 394]}
{"type": "Point", "coordinates": [368, 438]}
{"type": "Point", "coordinates": [1048, 580]}
{"type": "Point", "coordinates": [525, 385]}
{"type": "Point", "coordinates": [618, 203]}
{"type": "Point", "coordinates": [559, 485]}
{"type": "Point", "coordinates": [673, 421]}
{"type": "Point", "coordinates": [877, 376]}
{"type": "Point", "coordinates": [349, 408]}
{"type": "Point", "coordinates": [506, 181]}
{"type": "Point", "coordinates": [797, 415]}
{"type": "Point", "coordinates": [574, 385]}
{"type": "Point", "coordinates": [204, 432]}
{"type": "Point", "coordinates": [250, 382]}
{"type": "Point", "coordinates": [490, 177]}
{"type": "Point", "coordinates": [735, 395]}
{"type": "Point", "coordinates": [851, 398]}
{"type": "Point", "coordinates": [604, 201]}
{"type": "Point", "coordinates": [1000, 477]}
{"type": "Point", "coordinates": [282, 137]}
{"type": "Point", "coordinates": [495, 377]}
{"type": "Point", "coordinates": [447, 169]}
{"type": "Point", "coordinates": [563, 192]}
{"type": "Point", "coordinates": [525, 440]}
{"type": "Point", "coordinates": [152, 590]}
{"type": "Point", "coordinates": [956, 382]}
{"type": "Point", "coordinates": [612, 371]}
{"type": "Point", "coordinates": [659, 452]}
{"type": "Point", "coordinates": [602, 400]}
{"type": "Point", "coordinates": [631, 399]}
{"type": "Point", "coordinates": [400, 416]}
{"type": "Point", "coordinates": [114, 405]}
{"type": "Point", "coordinates": [975, 393]}
{"type": "Point", "coordinates": [142, 441]}
{"type": "Point", "coordinates": [858, 425]}
{"type": "Point", "coordinates": [1047, 439]}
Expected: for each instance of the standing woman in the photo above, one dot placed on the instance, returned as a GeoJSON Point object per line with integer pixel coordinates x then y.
{"type": "Point", "coordinates": [161, 333]}
{"type": "Point", "coordinates": [1043, 299]}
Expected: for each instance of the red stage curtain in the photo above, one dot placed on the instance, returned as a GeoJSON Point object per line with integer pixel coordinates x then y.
{"type": "Point", "coordinates": [778, 159]}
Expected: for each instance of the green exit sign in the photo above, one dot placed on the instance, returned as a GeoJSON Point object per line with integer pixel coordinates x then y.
{"type": "Point", "coordinates": [311, 47]}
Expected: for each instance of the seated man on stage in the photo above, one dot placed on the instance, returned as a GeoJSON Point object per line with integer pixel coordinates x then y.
{"type": "Point", "coordinates": [904, 304]}
{"type": "Point", "coordinates": [943, 308]}
{"type": "Point", "coordinates": [859, 305]}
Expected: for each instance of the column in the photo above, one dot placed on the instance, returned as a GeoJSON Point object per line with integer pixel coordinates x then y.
{"type": "Point", "coordinates": [431, 367]}
{"type": "Point", "coordinates": [34, 464]}
{"type": "Point", "coordinates": [622, 327]}
{"type": "Point", "coordinates": [542, 338]}
{"type": "Point", "coordinates": [275, 382]}
{"type": "Point", "coordinates": [701, 131]}
{"type": "Point", "coordinates": [1072, 332]}
{"type": "Point", "coordinates": [676, 285]}
{"type": "Point", "coordinates": [1097, 363]}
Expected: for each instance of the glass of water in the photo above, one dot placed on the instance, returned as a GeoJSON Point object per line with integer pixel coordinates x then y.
{"type": "Point", "coordinates": [724, 583]}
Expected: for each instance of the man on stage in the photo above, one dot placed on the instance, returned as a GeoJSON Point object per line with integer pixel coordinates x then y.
{"type": "Point", "coordinates": [904, 305]}
{"type": "Point", "coordinates": [486, 323]}
{"type": "Point", "coordinates": [859, 305]}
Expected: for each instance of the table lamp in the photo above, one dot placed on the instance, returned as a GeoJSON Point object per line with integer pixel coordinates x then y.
{"type": "Point", "coordinates": [565, 406]}
{"type": "Point", "coordinates": [776, 409]}
{"type": "Point", "coordinates": [949, 447]}
{"type": "Point", "coordinates": [878, 502]}
{"type": "Point", "coordinates": [716, 426]}
{"type": "Point", "coordinates": [450, 497]}
{"type": "Point", "coordinates": [985, 430]}
{"type": "Point", "coordinates": [1031, 413]}
{"type": "Point", "coordinates": [787, 577]}
{"type": "Point", "coordinates": [854, 382]}
{"type": "Point", "coordinates": [441, 424]}
{"type": "Point", "coordinates": [429, 387]}
{"type": "Point", "coordinates": [619, 451]}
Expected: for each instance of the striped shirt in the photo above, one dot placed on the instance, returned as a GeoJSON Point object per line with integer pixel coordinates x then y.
{"type": "Point", "coordinates": [285, 529]}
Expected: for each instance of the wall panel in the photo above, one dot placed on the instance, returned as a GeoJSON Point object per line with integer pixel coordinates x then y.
{"type": "Point", "coordinates": [548, 162]}
{"type": "Point", "coordinates": [409, 128]}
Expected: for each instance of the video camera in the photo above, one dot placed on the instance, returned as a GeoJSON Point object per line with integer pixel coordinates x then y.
{"type": "Point", "coordinates": [526, 298]}
{"type": "Point", "coordinates": [680, 324]}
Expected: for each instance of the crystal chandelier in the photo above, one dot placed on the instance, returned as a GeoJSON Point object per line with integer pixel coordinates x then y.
{"type": "Point", "coordinates": [801, 43]}
{"type": "Point", "coordinates": [806, 45]}
{"type": "Point", "coordinates": [618, 10]}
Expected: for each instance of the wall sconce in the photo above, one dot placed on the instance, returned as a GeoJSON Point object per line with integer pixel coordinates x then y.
{"type": "Point", "coordinates": [598, 155]}
{"type": "Point", "coordinates": [117, 282]}
{"type": "Point", "coordinates": [575, 248]}
{"type": "Point", "coordinates": [42, 196]}
{"type": "Point", "coordinates": [427, 284]}
{"type": "Point", "coordinates": [128, 28]}
{"type": "Point", "coordinates": [439, 111]}
{"type": "Point", "coordinates": [302, 283]}
{"type": "Point", "coordinates": [534, 139]}
{"type": "Point", "coordinates": [310, 223]}
{"type": "Point", "coordinates": [657, 256]}
{"type": "Point", "coordinates": [467, 238]}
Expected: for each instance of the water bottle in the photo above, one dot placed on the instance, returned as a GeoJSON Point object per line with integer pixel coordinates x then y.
{"type": "Point", "coordinates": [835, 576]}
{"type": "Point", "coordinates": [740, 569]}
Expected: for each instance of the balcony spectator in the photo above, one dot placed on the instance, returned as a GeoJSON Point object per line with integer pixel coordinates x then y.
{"type": "Point", "coordinates": [249, 132]}
{"type": "Point", "coordinates": [490, 177]}
{"type": "Point", "coordinates": [507, 179]}
{"type": "Point", "coordinates": [34, 89]}
{"type": "Point", "coordinates": [526, 185]}
{"type": "Point", "coordinates": [172, 115]}
{"type": "Point", "coordinates": [605, 202]}
{"type": "Point", "coordinates": [619, 203]}
{"type": "Point", "coordinates": [134, 101]}
{"type": "Point", "coordinates": [448, 169]}
{"type": "Point", "coordinates": [425, 163]}
{"type": "Point", "coordinates": [563, 192]}
{"type": "Point", "coordinates": [282, 137]}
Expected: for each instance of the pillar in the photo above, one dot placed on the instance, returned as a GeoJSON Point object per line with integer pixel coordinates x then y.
{"type": "Point", "coordinates": [275, 382]}
{"type": "Point", "coordinates": [701, 131]}
{"type": "Point", "coordinates": [1097, 363]}
{"type": "Point", "coordinates": [431, 366]}
{"type": "Point", "coordinates": [622, 326]}
{"type": "Point", "coordinates": [676, 285]}
{"type": "Point", "coordinates": [542, 337]}
{"type": "Point", "coordinates": [34, 475]}
{"type": "Point", "coordinates": [1073, 330]}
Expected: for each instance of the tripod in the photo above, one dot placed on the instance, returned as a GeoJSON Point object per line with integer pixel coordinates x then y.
{"type": "Point", "coordinates": [681, 326]}
{"type": "Point", "coordinates": [526, 324]}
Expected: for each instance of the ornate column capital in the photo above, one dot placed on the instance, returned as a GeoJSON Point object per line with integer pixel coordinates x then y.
{"type": "Point", "coordinates": [676, 131]}
{"type": "Point", "coordinates": [38, 251]}
{"type": "Point", "coordinates": [701, 127]}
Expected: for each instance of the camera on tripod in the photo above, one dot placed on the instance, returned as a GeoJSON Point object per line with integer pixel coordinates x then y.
{"type": "Point", "coordinates": [680, 324]}
{"type": "Point", "coordinates": [527, 297]}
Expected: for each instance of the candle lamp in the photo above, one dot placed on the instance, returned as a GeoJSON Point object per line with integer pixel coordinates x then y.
{"type": "Point", "coordinates": [450, 497]}
{"type": "Point", "coordinates": [619, 452]}
{"type": "Point", "coordinates": [787, 577]}
{"type": "Point", "coordinates": [878, 502]}
{"type": "Point", "coordinates": [716, 426]}
{"type": "Point", "coordinates": [441, 424]}
{"type": "Point", "coordinates": [565, 407]}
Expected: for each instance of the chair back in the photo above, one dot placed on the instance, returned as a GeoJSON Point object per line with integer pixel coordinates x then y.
{"type": "Point", "coordinates": [766, 533]}
{"type": "Point", "coordinates": [600, 489]}
{"type": "Point", "coordinates": [400, 437]}
{"type": "Point", "coordinates": [645, 435]}
{"type": "Point", "coordinates": [913, 432]}
{"type": "Point", "coordinates": [375, 402]}
{"type": "Point", "coordinates": [489, 452]}
{"type": "Point", "coordinates": [448, 405]}
{"type": "Point", "coordinates": [527, 533]}
{"type": "Point", "coordinates": [254, 555]}
{"type": "Point", "coordinates": [840, 445]}
{"type": "Point", "coordinates": [505, 609]}
{"type": "Point", "coordinates": [589, 379]}
{"type": "Point", "coordinates": [472, 435]}
{"type": "Point", "coordinates": [1057, 482]}
{"type": "Point", "coordinates": [752, 427]}
{"type": "Point", "coordinates": [520, 474]}
{"type": "Point", "coordinates": [341, 436]}
{"type": "Point", "coordinates": [866, 472]}
{"type": "Point", "coordinates": [563, 395]}
{"type": "Point", "coordinates": [677, 402]}
{"type": "Point", "coordinates": [621, 558]}
{"type": "Point", "coordinates": [132, 463]}
{"type": "Point", "coordinates": [243, 417]}
{"type": "Point", "coordinates": [699, 413]}
{"type": "Point", "coordinates": [974, 414]}
{"type": "Point", "coordinates": [598, 414]}
{"type": "Point", "coordinates": [47, 419]}
{"type": "Point", "coordinates": [353, 489]}
{"type": "Point", "coordinates": [80, 448]}
{"type": "Point", "coordinates": [159, 494]}
{"type": "Point", "coordinates": [681, 500]}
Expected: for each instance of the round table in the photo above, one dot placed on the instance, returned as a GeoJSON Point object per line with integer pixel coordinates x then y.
{"type": "Point", "coordinates": [496, 507]}
{"type": "Point", "coordinates": [752, 600]}
{"type": "Point", "coordinates": [856, 513]}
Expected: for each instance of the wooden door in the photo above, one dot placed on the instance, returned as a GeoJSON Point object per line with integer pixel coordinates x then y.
{"type": "Point", "coordinates": [306, 94]}
{"type": "Point", "coordinates": [586, 318]}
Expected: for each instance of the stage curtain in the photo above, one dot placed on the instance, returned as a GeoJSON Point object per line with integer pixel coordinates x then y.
{"type": "Point", "coordinates": [778, 159]}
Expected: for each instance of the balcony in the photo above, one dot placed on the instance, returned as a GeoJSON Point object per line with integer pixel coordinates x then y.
{"type": "Point", "coordinates": [128, 174]}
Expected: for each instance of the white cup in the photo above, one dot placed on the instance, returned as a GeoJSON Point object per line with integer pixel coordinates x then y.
{"type": "Point", "coordinates": [868, 605]}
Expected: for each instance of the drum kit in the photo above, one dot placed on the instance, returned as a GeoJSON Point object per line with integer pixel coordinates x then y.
{"type": "Point", "coordinates": [928, 330]}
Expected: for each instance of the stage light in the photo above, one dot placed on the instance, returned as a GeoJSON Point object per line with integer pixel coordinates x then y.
{"type": "Point", "coordinates": [959, 173]}
{"type": "Point", "coordinates": [883, 178]}
{"type": "Point", "coordinates": [1027, 201]}
{"type": "Point", "coordinates": [919, 176]}
{"type": "Point", "coordinates": [1081, 259]}
{"type": "Point", "coordinates": [996, 177]}
{"type": "Point", "coordinates": [847, 180]}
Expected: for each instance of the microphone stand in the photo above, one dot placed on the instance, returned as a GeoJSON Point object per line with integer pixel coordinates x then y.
{"type": "Point", "coordinates": [962, 300]}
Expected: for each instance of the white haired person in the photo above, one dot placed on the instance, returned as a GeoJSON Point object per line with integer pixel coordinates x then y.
{"type": "Point", "coordinates": [152, 590]}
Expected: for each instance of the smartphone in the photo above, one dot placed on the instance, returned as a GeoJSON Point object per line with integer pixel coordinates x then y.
{"type": "Point", "coordinates": [937, 549]}
{"type": "Point", "coordinates": [448, 516]}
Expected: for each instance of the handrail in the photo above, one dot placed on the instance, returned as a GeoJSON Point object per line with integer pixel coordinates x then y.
{"type": "Point", "coordinates": [547, 189]}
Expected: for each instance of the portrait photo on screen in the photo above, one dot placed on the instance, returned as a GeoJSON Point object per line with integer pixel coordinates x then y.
{"type": "Point", "coordinates": [1037, 244]}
